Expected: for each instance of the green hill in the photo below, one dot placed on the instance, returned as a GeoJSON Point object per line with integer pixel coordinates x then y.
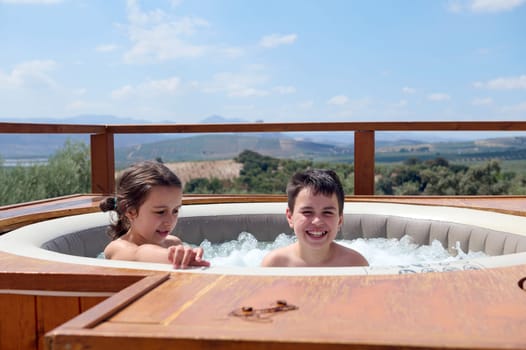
{"type": "Point", "coordinates": [506, 148]}
{"type": "Point", "coordinates": [228, 146]}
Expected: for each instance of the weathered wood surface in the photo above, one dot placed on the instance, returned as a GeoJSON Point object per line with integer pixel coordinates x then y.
{"type": "Point", "coordinates": [14, 216]}
{"type": "Point", "coordinates": [103, 153]}
{"type": "Point", "coordinates": [21, 273]}
{"type": "Point", "coordinates": [18, 215]}
{"type": "Point", "coordinates": [38, 295]}
{"type": "Point", "coordinates": [455, 310]}
{"type": "Point", "coordinates": [478, 309]}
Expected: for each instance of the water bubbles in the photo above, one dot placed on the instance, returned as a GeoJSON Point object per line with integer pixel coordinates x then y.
{"type": "Point", "coordinates": [246, 251]}
{"type": "Point", "coordinates": [243, 251]}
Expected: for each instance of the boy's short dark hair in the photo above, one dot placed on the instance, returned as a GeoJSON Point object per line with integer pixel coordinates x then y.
{"type": "Point", "coordinates": [324, 181]}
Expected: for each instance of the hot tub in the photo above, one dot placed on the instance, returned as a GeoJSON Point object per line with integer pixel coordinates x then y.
{"type": "Point", "coordinates": [79, 239]}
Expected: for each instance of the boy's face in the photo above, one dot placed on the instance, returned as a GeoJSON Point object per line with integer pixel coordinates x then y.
{"type": "Point", "coordinates": [157, 216]}
{"type": "Point", "coordinates": [315, 219]}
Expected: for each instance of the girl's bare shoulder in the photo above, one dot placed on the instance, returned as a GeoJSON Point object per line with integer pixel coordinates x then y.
{"type": "Point", "coordinates": [171, 241]}
{"type": "Point", "coordinates": [119, 247]}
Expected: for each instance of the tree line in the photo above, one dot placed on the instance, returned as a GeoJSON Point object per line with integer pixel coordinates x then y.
{"type": "Point", "coordinates": [263, 174]}
{"type": "Point", "coordinates": [68, 171]}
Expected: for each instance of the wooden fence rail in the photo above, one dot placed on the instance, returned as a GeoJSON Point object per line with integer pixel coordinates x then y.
{"type": "Point", "coordinates": [103, 152]}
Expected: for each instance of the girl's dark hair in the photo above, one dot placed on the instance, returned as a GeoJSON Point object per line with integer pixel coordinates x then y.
{"type": "Point", "coordinates": [321, 181]}
{"type": "Point", "coordinates": [133, 186]}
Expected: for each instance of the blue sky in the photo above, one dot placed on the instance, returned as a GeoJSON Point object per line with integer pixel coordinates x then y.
{"type": "Point", "coordinates": [183, 61]}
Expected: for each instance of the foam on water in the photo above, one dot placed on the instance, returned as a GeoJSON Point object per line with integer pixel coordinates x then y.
{"type": "Point", "coordinates": [247, 251]}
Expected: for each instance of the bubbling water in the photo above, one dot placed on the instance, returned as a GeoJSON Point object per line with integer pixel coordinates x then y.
{"type": "Point", "coordinates": [247, 251]}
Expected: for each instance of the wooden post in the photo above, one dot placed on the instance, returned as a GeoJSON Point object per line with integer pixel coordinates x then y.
{"type": "Point", "coordinates": [364, 162]}
{"type": "Point", "coordinates": [102, 163]}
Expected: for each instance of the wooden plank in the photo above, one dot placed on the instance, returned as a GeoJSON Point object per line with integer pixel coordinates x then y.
{"type": "Point", "coordinates": [53, 276]}
{"type": "Point", "coordinates": [23, 214]}
{"type": "Point", "coordinates": [181, 290]}
{"type": "Point", "coordinates": [482, 309]}
{"type": "Point", "coordinates": [43, 128]}
{"type": "Point", "coordinates": [102, 146]}
{"type": "Point", "coordinates": [513, 205]}
{"type": "Point", "coordinates": [18, 328]}
{"type": "Point", "coordinates": [364, 162]}
{"type": "Point", "coordinates": [110, 306]}
{"type": "Point", "coordinates": [68, 341]}
{"type": "Point", "coordinates": [52, 311]}
{"type": "Point", "coordinates": [89, 302]}
{"type": "Point", "coordinates": [102, 163]}
{"type": "Point", "coordinates": [320, 127]}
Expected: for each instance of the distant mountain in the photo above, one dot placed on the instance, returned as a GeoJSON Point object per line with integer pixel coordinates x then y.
{"type": "Point", "coordinates": [43, 145]}
{"type": "Point", "coordinates": [228, 146]}
{"type": "Point", "coordinates": [80, 119]}
{"type": "Point", "coordinates": [502, 148]}
{"type": "Point", "coordinates": [331, 145]}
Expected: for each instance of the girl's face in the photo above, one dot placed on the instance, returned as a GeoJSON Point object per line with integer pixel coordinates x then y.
{"type": "Point", "coordinates": [157, 216]}
{"type": "Point", "coordinates": [316, 219]}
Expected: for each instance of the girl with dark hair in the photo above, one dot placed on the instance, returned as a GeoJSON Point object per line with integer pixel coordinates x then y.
{"type": "Point", "coordinates": [147, 203]}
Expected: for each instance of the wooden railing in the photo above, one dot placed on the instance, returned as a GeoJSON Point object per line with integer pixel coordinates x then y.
{"type": "Point", "coordinates": [103, 152]}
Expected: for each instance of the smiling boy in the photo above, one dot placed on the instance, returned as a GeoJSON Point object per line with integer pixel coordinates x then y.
{"type": "Point", "coordinates": [315, 213]}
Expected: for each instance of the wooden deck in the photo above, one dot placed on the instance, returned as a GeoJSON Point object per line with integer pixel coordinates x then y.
{"type": "Point", "coordinates": [14, 216]}
{"type": "Point", "coordinates": [468, 310]}
{"type": "Point", "coordinates": [103, 308]}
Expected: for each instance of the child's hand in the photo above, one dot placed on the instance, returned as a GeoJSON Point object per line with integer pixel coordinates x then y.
{"type": "Point", "coordinates": [183, 256]}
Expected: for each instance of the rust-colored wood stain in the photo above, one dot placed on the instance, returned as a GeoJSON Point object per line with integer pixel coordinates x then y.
{"type": "Point", "coordinates": [453, 310]}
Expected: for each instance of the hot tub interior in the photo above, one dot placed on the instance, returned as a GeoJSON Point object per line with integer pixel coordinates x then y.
{"type": "Point", "coordinates": [89, 242]}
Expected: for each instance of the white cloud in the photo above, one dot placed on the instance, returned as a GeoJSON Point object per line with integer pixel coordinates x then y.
{"type": "Point", "coordinates": [483, 6]}
{"type": "Point", "coordinates": [338, 100]}
{"type": "Point", "coordinates": [408, 90]}
{"type": "Point", "coordinates": [79, 92]}
{"type": "Point", "coordinates": [494, 5]}
{"type": "Point", "coordinates": [232, 52]}
{"type": "Point", "coordinates": [306, 105]}
{"type": "Point", "coordinates": [508, 83]}
{"type": "Point", "coordinates": [285, 90]}
{"type": "Point", "coordinates": [106, 48]}
{"type": "Point", "coordinates": [483, 51]}
{"type": "Point", "coordinates": [148, 89]}
{"type": "Point", "coordinates": [242, 84]}
{"type": "Point", "coordinates": [275, 40]}
{"type": "Point", "coordinates": [31, 2]}
{"type": "Point", "coordinates": [78, 105]}
{"type": "Point", "coordinates": [247, 92]}
{"type": "Point", "coordinates": [438, 97]}
{"type": "Point", "coordinates": [519, 109]}
{"type": "Point", "coordinates": [454, 6]}
{"type": "Point", "coordinates": [157, 37]}
{"type": "Point", "coordinates": [242, 108]}
{"type": "Point", "coordinates": [482, 101]}
{"type": "Point", "coordinates": [123, 92]}
{"type": "Point", "coordinates": [175, 3]}
{"type": "Point", "coordinates": [401, 103]}
{"type": "Point", "coordinates": [30, 74]}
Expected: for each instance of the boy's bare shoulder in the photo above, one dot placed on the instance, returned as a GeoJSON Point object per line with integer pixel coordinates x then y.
{"type": "Point", "coordinates": [345, 256]}
{"type": "Point", "coordinates": [277, 258]}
